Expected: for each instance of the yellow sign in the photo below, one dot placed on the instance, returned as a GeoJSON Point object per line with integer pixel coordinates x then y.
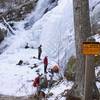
{"type": "Point", "coordinates": [91, 48]}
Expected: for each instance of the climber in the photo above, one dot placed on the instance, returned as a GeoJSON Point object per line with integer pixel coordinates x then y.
{"type": "Point", "coordinates": [39, 52]}
{"type": "Point", "coordinates": [36, 81]}
{"type": "Point", "coordinates": [45, 61]}
{"type": "Point", "coordinates": [40, 83]}
{"type": "Point", "coordinates": [43, 82]}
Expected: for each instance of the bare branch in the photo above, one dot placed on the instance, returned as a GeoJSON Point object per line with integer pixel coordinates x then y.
{"type": "Point", "coordinates": [8, 26]}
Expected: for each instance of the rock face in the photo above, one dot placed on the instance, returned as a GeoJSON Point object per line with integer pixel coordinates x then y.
{"type": "Point", "coordinates": [18, 11]}
{"type": "Point", "coordinates": [3, 33]}
{"type": "Point", "coordinates": [70, 69]}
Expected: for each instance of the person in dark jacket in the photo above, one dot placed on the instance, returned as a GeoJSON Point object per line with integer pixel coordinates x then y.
{"type": "Point", "coordinates": [39, 52]}
{"type": "Point", "coordinates": [45, 61]}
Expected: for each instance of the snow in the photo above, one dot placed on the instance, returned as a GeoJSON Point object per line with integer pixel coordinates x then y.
{"type": "Point", "coordinates": [93, 2]}
{"type": "Point", "coordinates": [97, 70]}
{"type": "Point", "coordinates": [55, 31]}
{"type": "Point", "coordinates": [2, 26]}
{"type": "Point", "coordinates": [94, 10]}
{"type": "Point", "coordinates": [97, 37]}
{"type": "Point", "coordinates": [13, 76]}
{"type": "Point", "coordinates": [60, 88]}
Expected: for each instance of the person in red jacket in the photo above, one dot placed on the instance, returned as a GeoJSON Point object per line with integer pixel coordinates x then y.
{"type": "Point", "coordinates": [45, 61]}
{"type": "Point", "coordinates": [36, 81]}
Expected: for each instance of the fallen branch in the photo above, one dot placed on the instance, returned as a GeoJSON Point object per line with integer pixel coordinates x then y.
{"type": "Point", "coordinates": [8, 26]}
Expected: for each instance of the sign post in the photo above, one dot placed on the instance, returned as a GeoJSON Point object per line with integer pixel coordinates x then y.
{"type": "Point", "coordinates": [89, 49]}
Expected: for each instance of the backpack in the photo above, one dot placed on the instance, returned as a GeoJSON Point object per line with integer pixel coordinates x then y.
{"type": "Point", "coordinates": [43, 83]}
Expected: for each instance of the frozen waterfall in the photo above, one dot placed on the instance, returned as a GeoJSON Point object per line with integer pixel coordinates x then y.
{"type": "Point", "coordinates": [42, 7]}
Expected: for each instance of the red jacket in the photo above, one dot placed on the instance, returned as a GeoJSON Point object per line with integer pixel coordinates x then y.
{"type": "Point", "coordinates": [45, 61]}
{"type": "Point", "coordinates": [36, 81]}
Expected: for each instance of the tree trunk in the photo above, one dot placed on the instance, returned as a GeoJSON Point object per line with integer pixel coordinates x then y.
{"type": "Point", "coordinates": [90, 90]}
{"type": "Point", "coordinates": [82, 33]}
{"type": "Point", "coordinates": [89, 78]}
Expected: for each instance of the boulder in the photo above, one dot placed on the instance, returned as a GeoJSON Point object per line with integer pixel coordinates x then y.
{"type": "Point", "coordinates": [69, 72]}
{"type": "Point", "coordinates": [3, 33]}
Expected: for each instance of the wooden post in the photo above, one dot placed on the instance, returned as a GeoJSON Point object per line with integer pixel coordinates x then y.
{"type": "Point", "coordinates": [89, 77]}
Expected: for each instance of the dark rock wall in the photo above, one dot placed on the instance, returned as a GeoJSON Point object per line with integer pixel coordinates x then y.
{"type": "Point", "coordinates": [19, 12]}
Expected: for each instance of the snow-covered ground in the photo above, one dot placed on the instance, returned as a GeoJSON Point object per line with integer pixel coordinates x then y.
{"type": "Point", "coordinates": [55, 31]}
